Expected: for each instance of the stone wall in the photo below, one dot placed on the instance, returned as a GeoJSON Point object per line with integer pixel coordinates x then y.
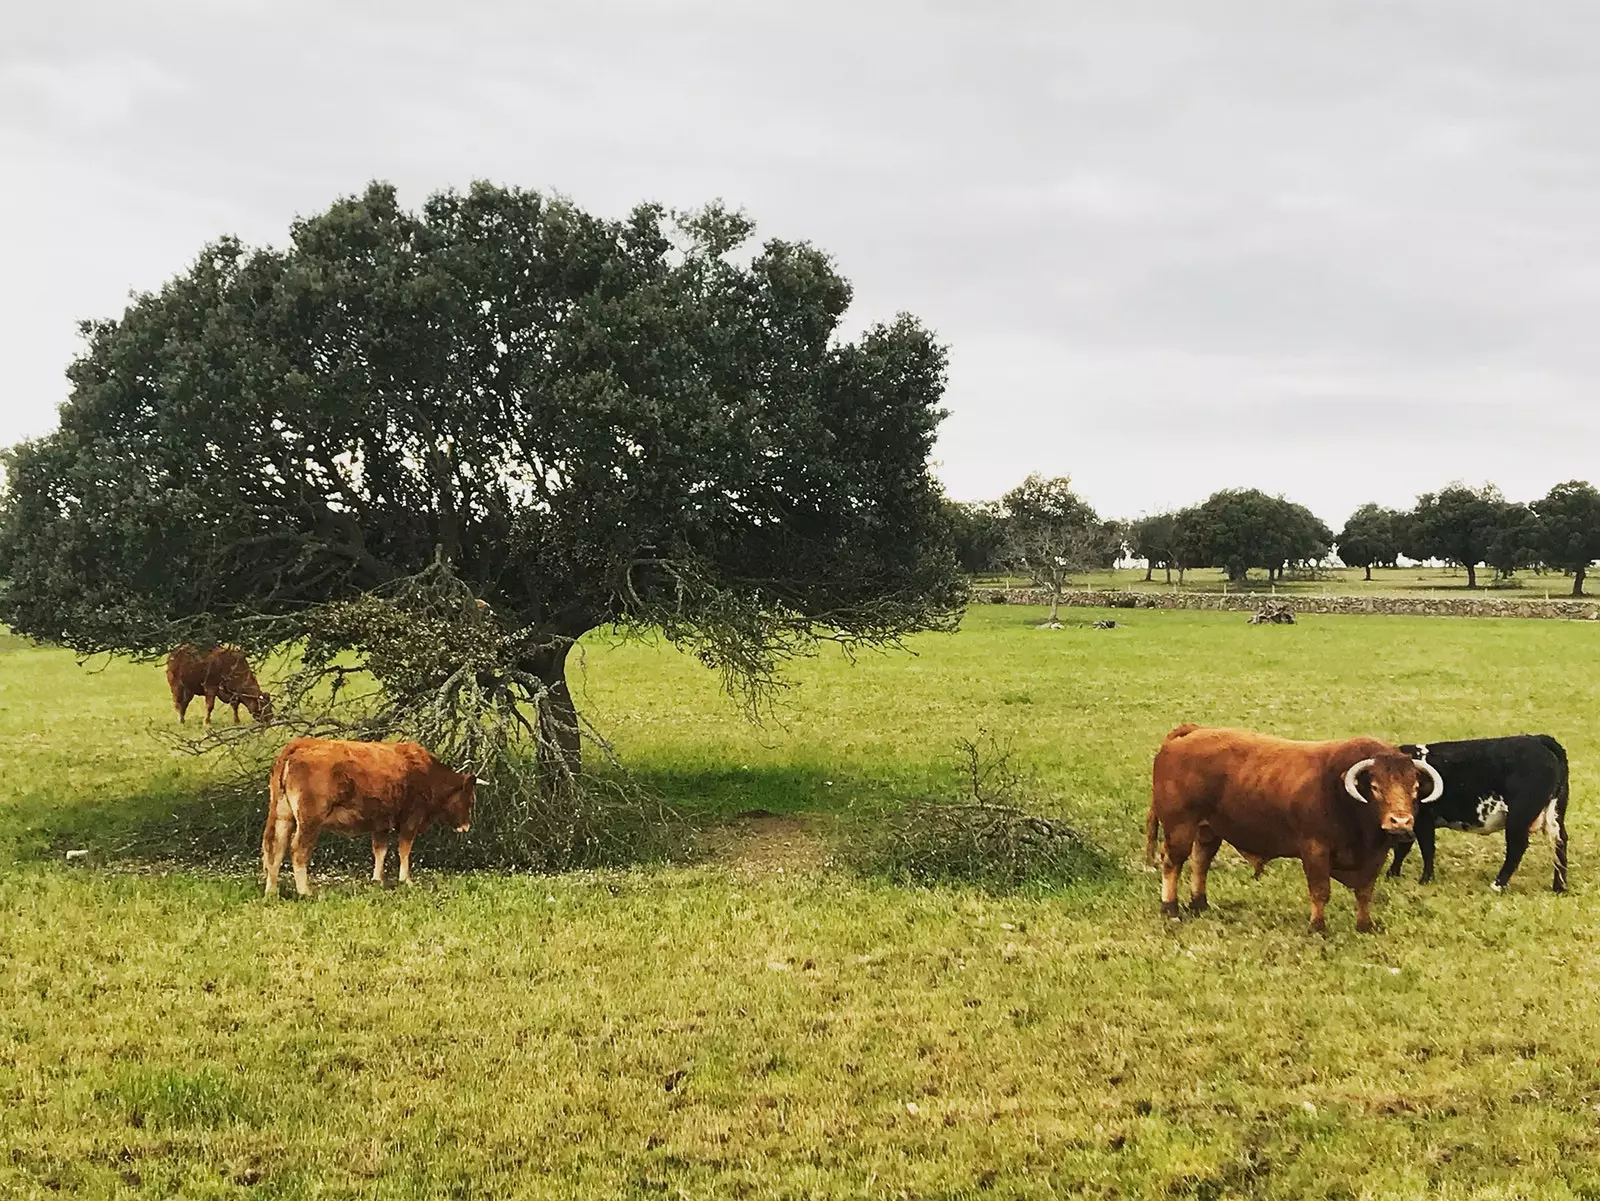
{"type": "Point", "coordinates": [1249, 602]}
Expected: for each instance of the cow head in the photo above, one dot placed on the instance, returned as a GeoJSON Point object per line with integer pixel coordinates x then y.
{"type": "Point", "coordinates": [259, 705]}
{"type": "Point", "coordinates": [1393, 784]}
{"type": "Point", "coordinates": [458, 805]}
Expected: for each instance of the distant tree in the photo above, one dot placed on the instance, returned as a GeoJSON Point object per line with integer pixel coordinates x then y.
{"type": "Point", "coordinates": [1154, 539]}
{"type": "Point", "coordinates": [1456, 524]}
{"type": "Point", "coordinates": [1371, 538]}
{"type": "Point", "coordinates": [589, 422]}
{"type": "Point", "coordinates": [978, 531]}
{"type": "Point", "coordinates": [1243, 528]}
{"type": "Point", "coordinates": [1189, 545]}
{"type": "Point", "coordinates": [1515, 540]}
{"type": "Point", "coordinates": [1051, 534]}
{"type": "Point", "coordinates": [1569, 529]}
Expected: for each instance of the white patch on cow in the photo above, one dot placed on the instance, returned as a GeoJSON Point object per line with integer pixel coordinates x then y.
{"type": "Point", "coordinates": [1492, 815]}
{"type": "Point", "coordinates": [294, 802]}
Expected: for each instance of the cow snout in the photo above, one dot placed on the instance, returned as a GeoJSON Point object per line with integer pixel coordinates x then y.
{"type": "Point", "coordinates": [1399, 823]}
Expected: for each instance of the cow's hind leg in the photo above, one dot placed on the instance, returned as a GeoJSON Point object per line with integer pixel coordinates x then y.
{"type": "Point", "coordinates": [305, 841]}
{"type": "Point", "coordinates": [274, 845]}
{"type": "Point", "coordinates": [1558, 841]}
{"type": "Point", "coordinates": [403, 843]}
{"type": "Point", "coordinates": [1516, 847]}
{"type": "Point", "coordinates": [1174, 853]}
{"type": "Point", "coordinates": [211, 703]}
{"type": "Point", "coordinates": [1318, 886]}
{"type": "Point", "coordinates": [1206, 845]}
{"type": "Point", "coordinates": [180, 702]}
{"type": "Point", "coordinates": [380, 852]}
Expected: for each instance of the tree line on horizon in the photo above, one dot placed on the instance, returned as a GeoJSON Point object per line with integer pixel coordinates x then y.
{"type": "Point", "coordinates": [1047, 532]}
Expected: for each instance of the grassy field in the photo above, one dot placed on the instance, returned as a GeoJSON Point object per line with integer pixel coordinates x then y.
{"type": "Point", "coordinates": [1342, 581]}
{"type": "Point", "coordinates": [767, 1023]}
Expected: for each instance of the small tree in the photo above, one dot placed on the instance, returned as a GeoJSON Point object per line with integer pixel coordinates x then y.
{"type": "Point", "coordinates": [1371, 538]}
{"type": "Point", "coordinates": [1456, 524]}
{"type": "Point", "coordinates": [1243, 528]}
{"type": "Point", "coordinates": [1189, 545]}
{"type": "Point", "coordinates": [1515, 540]}
{"type": "Point", "coordinates": [1569, 529]}
{"type": "Point", "coordinates": [1052, 534]}
{"type": "Point", "coordinates": [1154, 539]}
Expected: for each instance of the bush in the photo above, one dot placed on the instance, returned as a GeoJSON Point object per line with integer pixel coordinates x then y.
{"type": "Point", "coordinates": [986, 837]}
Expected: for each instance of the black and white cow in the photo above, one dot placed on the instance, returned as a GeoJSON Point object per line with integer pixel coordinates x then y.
{"type": "Point", "coordinates": [1516, 784]}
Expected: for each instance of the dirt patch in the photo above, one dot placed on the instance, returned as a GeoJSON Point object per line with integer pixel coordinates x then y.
{"type": "Point", "coordinates": [768, 844]}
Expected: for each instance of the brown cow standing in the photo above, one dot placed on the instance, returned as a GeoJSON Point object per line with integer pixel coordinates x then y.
{"type": "Point", "coordinates": [376, 788]}
{"type": "Point", "coordinates": [220, 674]}
{"type": "Point", "coordinates": [1271, 798]}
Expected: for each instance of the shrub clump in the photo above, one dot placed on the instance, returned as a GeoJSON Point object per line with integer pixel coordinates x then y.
{"type": "Point", "coordinates": [988, 835]}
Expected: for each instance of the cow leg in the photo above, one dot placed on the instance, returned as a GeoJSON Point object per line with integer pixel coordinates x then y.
{"type": "Point", "coordinates": [1174, 853]}
{"type": "Point", "coordinates": [305, 841]}
{"type": "Point", "coordinates": [1205, 849]}
{"type": "Point", "coordinates": [1317, 885]}
{"type": "Point", "coordinates": [180, 702]}
{"type": "Point", "coordinates": [1558, 840]}
{"type": "Point", "coordinates": [274, 845]}
{"type": "Point", "coordinates": [1425, 833]}
{"type": "Point", "coordinates": [1400, 853]}
{"type": "Point", "coordinates": [380, 852]}
{"type": "Point", "coordinates": [235, 712]}
{"type": "Point", "coordinates": [211, 701]}
{"type": "Point", "coordinates": [1364, 923]}
{"type": "Point", "coordinates": [404, 844]}
{"type": "Point", "coordinates": [1516, 847]}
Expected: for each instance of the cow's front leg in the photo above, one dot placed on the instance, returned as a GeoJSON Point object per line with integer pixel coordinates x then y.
{"type": "Point", "coordinates": [235, 712]}
{"type": "Point", "coordinates": [380, 853]}
{"type": "Point", "coordinates": [1364, 922]}
{"type": "Point", "coordinates": [404, 843]}
{"type": "Point", "coordinates": [1425, 832]}
{"type": "Point", "coordinates": [1316, 864]}
{"type": "Point", "coordinates": [1516, 846]}
{"type": "Point", "coordinates": [1400, 853]}
{"type": "Point", "coordinates": [211, 703]}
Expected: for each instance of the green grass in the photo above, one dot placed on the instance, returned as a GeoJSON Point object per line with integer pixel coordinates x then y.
{"type": "Point", "coordinates": [716, 1030]}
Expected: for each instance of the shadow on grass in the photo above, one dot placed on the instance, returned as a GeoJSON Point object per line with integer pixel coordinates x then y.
{"type": "Point", "coordinates": [884, 828]}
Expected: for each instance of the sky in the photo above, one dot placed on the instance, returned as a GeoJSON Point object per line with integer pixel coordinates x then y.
{"type": "Point", "coordinates": [1341, 250]}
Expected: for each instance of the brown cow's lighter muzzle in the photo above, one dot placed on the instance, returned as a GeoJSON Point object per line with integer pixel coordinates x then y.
{"type": "Point", "coordinates": [1397, 823]}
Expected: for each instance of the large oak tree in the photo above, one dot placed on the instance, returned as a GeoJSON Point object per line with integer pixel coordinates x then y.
{"type": "Point", "coordinates": [590, 421]}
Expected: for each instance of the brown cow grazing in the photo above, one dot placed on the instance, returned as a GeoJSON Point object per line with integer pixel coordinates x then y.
{"type": "Point", "coordinates": [1337, 807]}
{"type": "Point", "coordinates": [221, 674]}
{"type": "Point", "coordinates": [376, 788]}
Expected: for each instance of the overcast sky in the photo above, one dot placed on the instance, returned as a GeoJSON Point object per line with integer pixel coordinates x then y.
{"type": "Point", "coordinates": [1345, 251]}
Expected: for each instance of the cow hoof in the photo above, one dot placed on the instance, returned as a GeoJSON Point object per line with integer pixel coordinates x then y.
{"type": "Point", "coordinates": [1425, 878]}
{"type": "Point", "coordinates": [1319, 927]}
{"type": "Point", "coordinates": [1367, 927]}
{"type": "Point", "coordinates": [1497, 887]}
{"type": "Point", "coordinates": [1169, 909]}
{"type": "Point", "coordinates": [1198, 904]}
{"type": "Point", "coordinates": [1394, 873]}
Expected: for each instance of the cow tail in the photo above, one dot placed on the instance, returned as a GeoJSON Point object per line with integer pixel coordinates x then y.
{"type": "Point", "coordinates": [1152, 829]}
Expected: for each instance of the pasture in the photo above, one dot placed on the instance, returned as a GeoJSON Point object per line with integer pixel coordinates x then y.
{"type": "Point", "coordinates": [765, 1022]}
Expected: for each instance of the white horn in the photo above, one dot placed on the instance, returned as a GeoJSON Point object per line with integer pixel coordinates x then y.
{"type": "Point", "coordinates": [1438, 782]}
{"type": "Point", "coordinates": [1350, 778]}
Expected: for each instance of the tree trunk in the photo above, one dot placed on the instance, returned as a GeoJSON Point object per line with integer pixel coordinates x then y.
{"type": "Point", "coordinates": [1472, 575]}
{"type": "Point", "coordinates": [560, 738]}
{"type": "Point", "coordinates": [1369, 572]}
{"type": "Point", "coordinates": [1169, 574]}
{"type": "Point", "coordinates": [1577, 581]}
{"type": "Point", "coordinates": [1149, 570]}
{"type": "Point", "coordinates": [1055, 605]}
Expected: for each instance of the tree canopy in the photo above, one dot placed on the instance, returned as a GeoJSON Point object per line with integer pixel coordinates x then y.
{"type": "Point", "coordinates": [589, 421]}
{"type": "Point", "coordinates": [1569, 529]}
{"type": "Point", "coordinates": [1371, 538]}
{"type": "Point", "coordinates": [1240, 528]}
{"type": "Point", "coordinates": [1456, 524]}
